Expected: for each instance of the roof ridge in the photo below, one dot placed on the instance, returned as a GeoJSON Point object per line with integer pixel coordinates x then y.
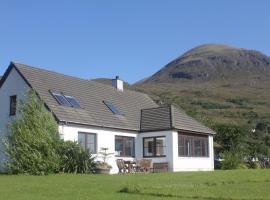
{"type": "Point", "coordinates": [70, 76]}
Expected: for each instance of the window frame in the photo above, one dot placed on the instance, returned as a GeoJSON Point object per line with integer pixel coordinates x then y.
{"type": "Point", "coordinates": [75, 101]}
{"type": "Point", "coordinates": [12, 105]}
{"type": "Point", "coordinates": [125, 138]}
{"type": "Point", "coordinates": [154, 147]}
{"type": "Point", "coordinates": [85, 139]}
{"type": "Point", "coordinates": [194, 138]}
{"type": "Point", "coordinates": [114, 109]}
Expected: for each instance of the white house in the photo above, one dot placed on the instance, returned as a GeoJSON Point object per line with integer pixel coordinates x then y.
{"type": "Point", "coordinates": [126, 122]}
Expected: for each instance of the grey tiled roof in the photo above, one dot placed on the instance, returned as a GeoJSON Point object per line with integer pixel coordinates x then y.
{"type": "Point", "coordinates": [139, 111]}
{"type": "Point", "coordinates": [90, 95]}
{"type": "Point", "coordinates": [164, 118]}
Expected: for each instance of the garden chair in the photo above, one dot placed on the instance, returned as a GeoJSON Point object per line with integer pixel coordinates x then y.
{"type": "Point", "coordinates": [121, 166]}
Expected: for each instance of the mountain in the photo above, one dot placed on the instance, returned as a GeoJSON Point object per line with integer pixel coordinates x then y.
{"type": "Point", "coordinates": [214, 62]}
{"type": "Point", "coordinates": [215, 84]}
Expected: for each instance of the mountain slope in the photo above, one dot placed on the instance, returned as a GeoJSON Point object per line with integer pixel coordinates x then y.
{"type": "Point", "coordinates": [214, 62]}
{"type": "Point", "coordinates": [215, 84]}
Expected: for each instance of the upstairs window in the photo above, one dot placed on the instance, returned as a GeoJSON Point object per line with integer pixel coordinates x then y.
{"type": "Point", "coordinates": [112, 107]}
{"type": "Point", "coordinates": [73, 101]}
{"type": "Point", "coordinates": [66, 100]}
{"type": "Point", "coordinates": [12, 105]}
{"type": "Point", "coordinates": [61, 99]}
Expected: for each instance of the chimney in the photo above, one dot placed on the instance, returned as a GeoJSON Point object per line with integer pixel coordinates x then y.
{"type": "Point", "coordinates": [118, 84]}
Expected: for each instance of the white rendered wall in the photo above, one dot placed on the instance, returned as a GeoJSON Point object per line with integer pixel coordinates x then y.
{"type": "Point", "coordinates": [14, 85]}
{"type": "Point", "coordinates": [192, 163]}
{"type": "Point", "coordinates": [105, 139]}
{"type": "Point", "coordinates": [168, 151]}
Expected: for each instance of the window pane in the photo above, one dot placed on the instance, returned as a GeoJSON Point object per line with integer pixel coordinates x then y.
{"type": "Point", "coordinates": [181, 145]}
{"type": "Point", "coordinates": [61, 99]}
{"type": "Point", "coordinates": [198, 147]}
{"type": "Point", "coordinates": [91, 140]}
{"type": "Point", "coordinates": [73, 101]}
{"type": "Point", "coordinates": [119, 146]}
{"type": "Point", "coordinates": [188, 146]}
{"type": "Point", "coordinates": [12, 106]}
{"type": "Point", "coordinates": [160, 146]}
{"type": "Point", "coordinates": [81, 140]}
{"type": "Point", "coordinates": [112, 107]}
{"type": "Point", "coordinates": [129, 147]}
{"type": "Point", "coordinates": [148, 146]}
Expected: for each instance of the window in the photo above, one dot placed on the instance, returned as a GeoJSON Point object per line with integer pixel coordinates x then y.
{"type": "Point", "coordinates": [112, 107]}
{"type": "Point", "coordinates": [124, 146]}
{"type": "Point", "coordinates": [66, 100]}
{"type": "Point", "coordinates": [154, 146]}
{"type": "Point", "coordinates": [192, 146]}
{"type": "Point", "coordinates": [12, 105]}
{"type": "Point", "coordinates": [61, 99]}
{"type": "Point", "coordinates": [73, 101]}
{"type": "Point", "coordinates": [88, 141]}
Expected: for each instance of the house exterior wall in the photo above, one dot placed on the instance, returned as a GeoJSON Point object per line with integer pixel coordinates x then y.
{"type": "Point", "coordinates": [105, 139]}
{"type": "Point", "coordinates": [168, 149]}
{"type": "Point", "coordinates": [192, 163]}
{"type": "Point", "coordinates": [175, 162]}
{"type": "Point", "coordinates": [13, 85]}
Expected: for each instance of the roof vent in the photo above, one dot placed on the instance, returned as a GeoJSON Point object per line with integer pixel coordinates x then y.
{"type": "Point", "coordinates": [118, 84]}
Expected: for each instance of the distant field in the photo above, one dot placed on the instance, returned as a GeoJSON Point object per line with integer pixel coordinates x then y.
{"type": "Point", "coordinates": [218, 185]}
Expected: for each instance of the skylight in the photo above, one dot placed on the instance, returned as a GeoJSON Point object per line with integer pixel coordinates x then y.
{"type": "Point", "coordinates": [112, 107]}
{"type": "Point", "coordinates": [73, 101]}
{"type": "Point", "coordinates": [61, 99]}
{"type": "Point", "coordinates": [65, 100]}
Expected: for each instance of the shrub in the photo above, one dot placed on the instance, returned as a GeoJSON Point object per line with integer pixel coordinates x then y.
{"type": "Point", "coordinates": [232, 160]}
{"type": "Point", "coordinates": [73, 159]}
{"type": "Point", "coordinates": [31, 146]}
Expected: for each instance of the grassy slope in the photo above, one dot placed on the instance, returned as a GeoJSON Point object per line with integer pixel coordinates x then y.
{"type": "Point", "coordinates": [228, 85]}
{"type": "Point", "coordinates": [218, 185]}
{"type": "Point", "coordinates": [216, 101]}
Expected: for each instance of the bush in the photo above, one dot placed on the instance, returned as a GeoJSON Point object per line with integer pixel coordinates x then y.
{"type": "Point", "coordinates": [232, 160]}
{"type": "Point", "coordinates": [73, 159]}
{"type": "Point", "coordinates": [34, 147]}
{"type": "Point", "coordinates": [31, 146]}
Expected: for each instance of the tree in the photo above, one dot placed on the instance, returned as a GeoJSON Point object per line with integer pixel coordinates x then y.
{"type": "Point", "coordinates": [32, 142]}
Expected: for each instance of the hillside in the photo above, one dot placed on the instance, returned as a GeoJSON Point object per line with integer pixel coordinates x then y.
{"type": "Point", "coordinates": [215, 84]}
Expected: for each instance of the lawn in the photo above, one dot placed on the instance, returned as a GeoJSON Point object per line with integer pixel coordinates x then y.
{"type": "Point", "coordinates": [218, 185]}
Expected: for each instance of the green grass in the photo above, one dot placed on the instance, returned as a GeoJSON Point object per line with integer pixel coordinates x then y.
{"type": "Point", "coordinates": [218, 185]}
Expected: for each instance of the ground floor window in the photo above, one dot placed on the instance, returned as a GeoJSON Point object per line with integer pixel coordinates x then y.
{"type": "Point", "coordinates": [193, 145]}
{"type": "Point", "coordinates": [88, 141]}
{"type": "Point", "coordinates": [154, 146]}
{"type": "Point", "coordinates": [124, 146]}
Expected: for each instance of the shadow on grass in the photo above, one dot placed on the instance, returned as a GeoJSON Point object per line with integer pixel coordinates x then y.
{"type": "Point", "coordinates": [137, 190]}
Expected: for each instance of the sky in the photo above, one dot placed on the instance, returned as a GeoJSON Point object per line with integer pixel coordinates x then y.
{"type": "Point", "coordinates": [133, 39]}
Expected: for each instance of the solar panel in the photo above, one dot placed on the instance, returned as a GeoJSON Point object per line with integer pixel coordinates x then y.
{"type": "Point", "coordinates": [73, 101]}
{"type": "Point", "coordinates": [61, 99]}
{"type": "Point", "coordinates": [112, 107]}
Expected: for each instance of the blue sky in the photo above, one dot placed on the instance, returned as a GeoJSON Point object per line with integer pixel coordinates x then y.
{"type": "Point", "coordinates": [132, 39]}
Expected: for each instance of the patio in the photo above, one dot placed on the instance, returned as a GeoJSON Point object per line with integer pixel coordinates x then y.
{"type": "Point", "coordinates": [140, 166]}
